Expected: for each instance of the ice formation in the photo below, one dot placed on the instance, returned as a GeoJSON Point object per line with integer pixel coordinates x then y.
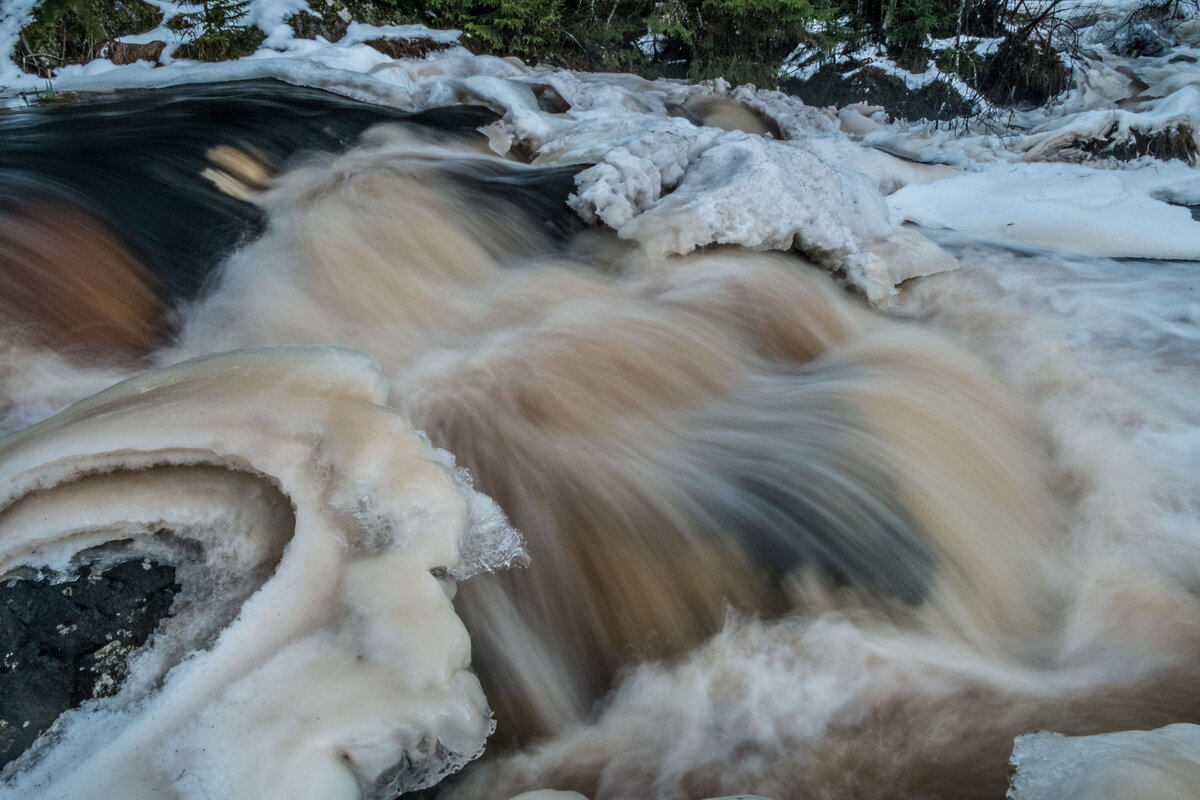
{"type": "Point", "coordinates": [1065, 207]}
{"type": "Point", "coordinates": [1163, 764]}
{"type": "Point", "coordinates": [315, 654]}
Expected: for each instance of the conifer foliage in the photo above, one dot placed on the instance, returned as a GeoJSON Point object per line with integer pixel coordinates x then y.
{"type": "Point", "coordinates": [217, 31]}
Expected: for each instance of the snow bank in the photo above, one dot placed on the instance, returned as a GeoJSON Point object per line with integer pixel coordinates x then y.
{"type": "Point", "coordinates": [1078, 200]}
{"type": "Point", "coordinates": [673, 186]}
{"type": "Point", "coordinates": [14, 15]}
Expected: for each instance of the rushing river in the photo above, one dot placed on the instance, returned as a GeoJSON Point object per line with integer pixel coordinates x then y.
{"type": "Point", "coordinates": [775, 540]}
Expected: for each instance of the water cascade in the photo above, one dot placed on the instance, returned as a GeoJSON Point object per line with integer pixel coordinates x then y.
{"type": "Point", "coordinates": [772, 539]}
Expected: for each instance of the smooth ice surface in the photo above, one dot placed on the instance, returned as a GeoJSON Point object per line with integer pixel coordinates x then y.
{"type": "Point", "coordinates": [345, 673]}
{"type": "Point", "coordinates": [1066, 207]}
{"type": "Point", "coordinates": [1163, 764]}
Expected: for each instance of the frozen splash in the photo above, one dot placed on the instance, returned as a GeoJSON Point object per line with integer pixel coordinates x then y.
{"type": "Point", "coordinates": [313, 653]}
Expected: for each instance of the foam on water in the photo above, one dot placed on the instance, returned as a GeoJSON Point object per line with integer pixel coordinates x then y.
{"type": "Point", "coordinates": [843, 706]}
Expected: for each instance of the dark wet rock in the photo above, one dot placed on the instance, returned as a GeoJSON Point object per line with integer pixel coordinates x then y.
{"type": "Point", "coordinates": [69, 641]}
{"type": "Point", "coordinates": [307, 25]}
{"type": "Point", "coordinates": [844, 84]}
{"type": "Point", "coordinates": [125, 53]}
{"type": "Point", "coordinates": [406, 48]}
{"type": "Point", "coordinates": [1165, 144]}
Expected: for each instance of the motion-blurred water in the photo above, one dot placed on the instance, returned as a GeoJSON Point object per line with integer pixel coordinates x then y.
{"type": "Point", "coordinates": [778, 542]}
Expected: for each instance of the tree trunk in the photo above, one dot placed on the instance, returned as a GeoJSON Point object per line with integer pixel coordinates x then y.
{"type": "Point", "coordinates": [888, 12]}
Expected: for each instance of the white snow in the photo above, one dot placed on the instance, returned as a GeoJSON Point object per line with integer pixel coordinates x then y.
{"type": "Point", "coordinates": [359, 32]}
{"type": "Point", "coordinates": [14, 15]}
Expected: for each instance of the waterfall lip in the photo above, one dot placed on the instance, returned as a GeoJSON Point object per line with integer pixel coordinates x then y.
{"type": "Point", "coordinates": [347, 660]}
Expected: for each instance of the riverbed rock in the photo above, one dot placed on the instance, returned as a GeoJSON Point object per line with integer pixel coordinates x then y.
{"type": "Point", "coordinates": [128, 53]}
{"type": "Point", "coordinates": [67, 640]}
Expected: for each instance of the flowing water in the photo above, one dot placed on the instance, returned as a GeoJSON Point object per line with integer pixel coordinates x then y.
{"type": "Point", "coordinates": [778, 542]}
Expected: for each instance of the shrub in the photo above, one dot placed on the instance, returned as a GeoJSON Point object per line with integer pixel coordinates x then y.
{"type": "Point", "coordinates": [904, 24]}
{"type": "Point", "coordinates": [841, 85]}
{"type": "Point", "coordinates": [961, 61]}
{"type": "Point", "coordinates": [526, 28]}
{"type": "Point", "coordinates": [1022, 71]}
{"type": "Point", "coordinates": [1176, 141]}
{"type": "Point", "coordinates": [605, 37]}
{"type": "Point", "coordinates": [222, 45]}
{"type": "Point", "coordinates": [745, 41]}
{"type": "Point", "coordinates": [75, 31]}
{"type": "Point", "coordinates": [913, 21]}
